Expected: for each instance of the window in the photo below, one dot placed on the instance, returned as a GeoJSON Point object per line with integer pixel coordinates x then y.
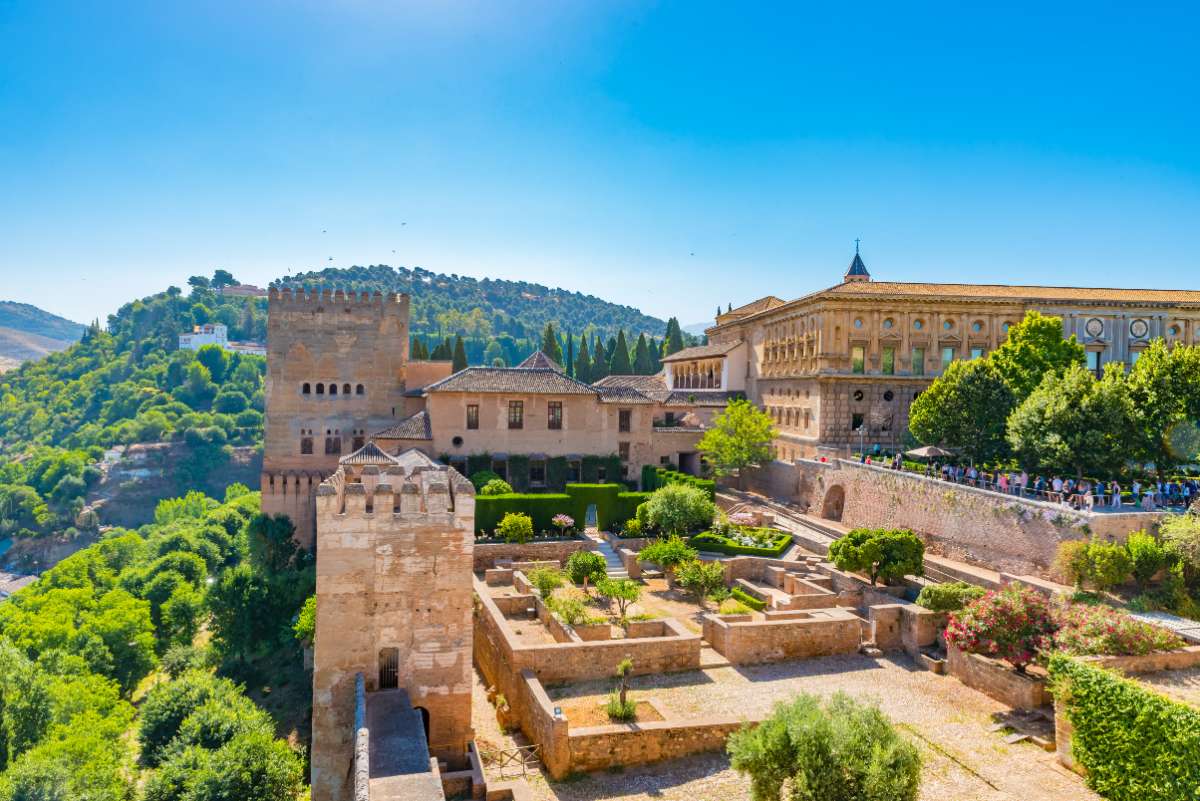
{"type": "Point", "coordinates": [306, 389]}
{"type": "Point", "coordinates": [947, 355]}
{"type": "Point", "coordinates": [472, 416]}
{"type": "Point", "coordinates": [320, 389]}
{"type": "Point", "coordinates": [516, 414]}
{"type": "Point", "coordinates": [918, 325]}
{"type": "Point", "coordinates": [670, 419]}
{"type": "Point", "coordinates": [359, 441]}
{"type": "Point", "coordinates": [625, 420]}
{"type": "Point", "coordinates": [601, 474]}
{"type": "Point", "coordinates": [345, 389]}
{"type": "Point", "coordinates": [537, 473]}
{"type": "Point", "coordinates": [359, 389]}
{"type": "Point", "coordinates": [333, 445]}
{"type": "Point", "coordinates": [858, 322]}
{"type": "Point", "coordinates": [333, 389]}
{"type": "Point", "coordinates": [918, 361]}
{"type": "Point", "coordinates": [977, 353]}
{"type": "Point", "coordinates": [500, 468]}
{"type": "Point", "coordinates": [977, 326]}
{"type": "Point", "coordinates": [1093, 361]}
{"type": "Point", "coordinates": [306, 446]}
{"type": "Point", "coordinates": [858, 358]}
{"type": "Point", "coordinates": [947, 325]}
{"type": "Point", "coordinates": [858, 394]}
{"type": "Point", "coordinates": [889, 361]}
{"type": "Point", "coordinates": [888, 323]}
{"type": "Point", "coordinates": [623, 451]}
{"type": "Point", "coordinates": [807, 418]}
{"type": "Point", "coordinates": [554, 415]}
{"type": "Point", "coordinates": [573, 471]}
{"type": "Point", "coordinates": [389, 668]}
{"type": "Point", "coordinates": [856, 421]}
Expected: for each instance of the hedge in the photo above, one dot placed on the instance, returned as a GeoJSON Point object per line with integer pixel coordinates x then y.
{"type": "Point", "coordinates": [627, 504]}
{"type": "Point", "coordinates": [613, 507]}
{"type": "Point", "coordinates": [715, 543]}
{"type": "Point", "coordinates": [655, 477]}
{"type": "Point", "coordinates": [748, 599]}
{"type": "Point", "coordinates": [1134, 743]}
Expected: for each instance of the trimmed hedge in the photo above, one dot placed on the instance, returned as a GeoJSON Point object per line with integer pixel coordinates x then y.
{"type": "Point", "coordinates": [1134, 743]}
{"type": "Point", "coordinates": [660, 477]}
{"type": "Point", "coordinates": [626, 506]}
{"type": "Point", "coordinates": [613, 507]}
{"type": "Point", "coordinates": [715, 543]}
{"type": "Point", "coordinates": [748, 599]}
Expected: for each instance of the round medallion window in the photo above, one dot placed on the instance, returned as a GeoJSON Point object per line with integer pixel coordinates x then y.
{"type": "Point", "coordinates": [947, 325]}
{"type": "Point", "coordinates": [1139, 328]}
{"type": "Point", "coordinates": [1094, 327]}
{"type": "Point", "coordinates": [1173, 330]}
{"type": "Point", "coordinates": [457, 441]}
{"type": "Point", "coordinates": [858, 322]}
{"type": "Point", "coordinates": [976, 326]}
{"type": "Point", "coordinates": [1006, 326]}
{"type": "Point", "coordinates": [887, 396]}
{"type": "Point", "coordinates": [918, 324]}
{"type": "Point", "coordinates": [858, 394]}
{"type": "Point", "coordinates": [888, 323]}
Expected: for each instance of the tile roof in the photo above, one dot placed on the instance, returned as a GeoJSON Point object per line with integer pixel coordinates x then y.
{"type": "Point", "coordinates": [702, 351]}
{"type": "Point", "coordinates": [1006, 292]}
{"type": "Point", "coordinates": [701, 397]}
{"type": "Point", "coordinates": [368, 454]}
{"type": "Point", "coordinates": [416, 426]}
{"type": "Point", "coordinates": [632, 388]}
{"type": "Point", "coordinates": [11, 582]}
{"type": "Point", "coordinates": [538, 360]}
{"type": "Point", "coordinates": [514, 380]}
{"type": "Point", "coordinates": [755, 306]}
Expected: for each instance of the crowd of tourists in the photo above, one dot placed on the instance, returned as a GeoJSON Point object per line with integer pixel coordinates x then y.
{"type": "Point", "coordinates": [1082, 494]}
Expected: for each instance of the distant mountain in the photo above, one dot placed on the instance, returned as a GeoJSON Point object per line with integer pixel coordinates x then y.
{"type": "Point", "coordinates": [27, 332]}
{"type": "Point", "coordinates": [697, 329]}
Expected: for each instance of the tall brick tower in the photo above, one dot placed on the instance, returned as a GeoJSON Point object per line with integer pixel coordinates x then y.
{"type": "Point", "coordinates": [395, 541]}
{"type": "Point", "coordinates": [336, 369]}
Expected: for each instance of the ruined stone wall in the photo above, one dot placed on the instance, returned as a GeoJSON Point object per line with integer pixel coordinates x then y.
{"type": "Point", "coordinates": [820, 633]}
{"type": "Point", "coordinates": [487, 554]}
{"type": "Point", "coordinates": [393, 572]}
{"type": "Point", "coordinates": [602, 747]}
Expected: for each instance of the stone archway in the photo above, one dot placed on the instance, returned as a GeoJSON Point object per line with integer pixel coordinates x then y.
{"type": "Point", "coordinates": [835, 501]}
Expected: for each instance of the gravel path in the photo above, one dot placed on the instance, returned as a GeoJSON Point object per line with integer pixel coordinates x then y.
{"type": "Point", "coordinates": [949, 722]}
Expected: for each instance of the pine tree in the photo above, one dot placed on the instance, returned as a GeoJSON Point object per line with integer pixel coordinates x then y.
{"type": "Point", "coordinates": [569, 365]}
{"type": "Point", "coordinates": [643, 363]}
{"type": "Point", "coordinates": [610, 349]}
{"type": "Point", "coordinates": [583, 362]}
{"type": "Point", "coordinates": [550, 345]}
{"type": "Point", "coordinates": [460, 354]}
{"type": "Point", "coordinates": [599, 361]}
{"type": "Point", "coordinates": [619, 363]}
{"type": "Point", "coordinates": [673, 343]}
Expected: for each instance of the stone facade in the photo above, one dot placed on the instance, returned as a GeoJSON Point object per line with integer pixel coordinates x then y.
{"type": "Point", "coordinates": [854, 356]}
{"type": "Point", "coordinates": [394, 588]}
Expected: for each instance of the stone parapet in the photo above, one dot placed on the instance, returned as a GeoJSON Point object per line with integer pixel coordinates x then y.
{"type": "Point", "coordinates": [799, 635]}
{"type": "Point", "coordinates": [489, 554]}
{"type": "Point", "coordinates": [997, 679]}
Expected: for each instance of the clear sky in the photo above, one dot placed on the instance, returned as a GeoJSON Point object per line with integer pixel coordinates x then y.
{"type": "Point", "coordinates": [670, 155]}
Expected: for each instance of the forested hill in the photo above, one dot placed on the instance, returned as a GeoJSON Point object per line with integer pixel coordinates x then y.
{"type": "Point", "coordinates": [446, 304]}
{"type": "Point", "coordinates": [27, 332]}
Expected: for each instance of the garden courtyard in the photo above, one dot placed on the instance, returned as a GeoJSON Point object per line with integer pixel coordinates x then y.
{"type": "Point", "coordinates": [949, 722]}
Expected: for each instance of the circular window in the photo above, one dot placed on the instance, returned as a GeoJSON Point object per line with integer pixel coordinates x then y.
{"type": "Point", "coordinates": [457, 441]}
{"type": "Point", "coordinates": [889, 395]}
{"type": "Point", "coordinates": [946, 326]}
{"type": "Point", "coordinates": [858, 394]}
{"type": "Point", "coordinates": [1094, 327]}
{"type": "Point", "coordinates": [976, 326]}
{"type": "Point", "coordinates": [1005, 327]}
{"type": "Point", "coordinates": [1139, 328]}
{"type": "Point", "coordinates": [918, 324]}
{"type": "Point", "coordinates": [888, 323]}
{"type": "Point", "coordinates": [1173, 330]}
{"type": "Point", "coordinates": [858, 322]}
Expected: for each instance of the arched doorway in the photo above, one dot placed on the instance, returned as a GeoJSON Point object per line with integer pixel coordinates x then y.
{"type": "Point", "coordinates": [835, 501]}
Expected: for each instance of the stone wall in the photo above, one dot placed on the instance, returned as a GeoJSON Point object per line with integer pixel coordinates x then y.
{"type": "Point", "coordinates": [604, 747]}
{"type": "Point", "coordinates": [487, 554]}
{"type": "Point", "coordinates": [783, 636]}
{"type": "Point", "coordinates": [1006, 533]}
{"type": "Point", "coordinates": [997, 679]}
{"type": "Point", "coordinates": [1181, 659]}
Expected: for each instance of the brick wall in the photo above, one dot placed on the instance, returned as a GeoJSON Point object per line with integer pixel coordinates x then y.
{"type": "Point", "coordinates": [488, 553]}
{"type": "Point", "coordinates": [800, 635]}
{"type": "Point", "coordinates": [997, 679]}
{"type": "Point", "coordinates": [602, 747]}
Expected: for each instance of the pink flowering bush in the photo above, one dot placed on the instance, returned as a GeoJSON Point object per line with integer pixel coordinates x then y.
{"type": "Point", "coordinates": [1012, 624]}
{"type": "Point", "coordinates": [1100, 629]}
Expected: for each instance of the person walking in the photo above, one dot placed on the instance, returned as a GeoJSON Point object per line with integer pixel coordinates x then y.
{"type": "Point", "coordinates": [1115, 489]}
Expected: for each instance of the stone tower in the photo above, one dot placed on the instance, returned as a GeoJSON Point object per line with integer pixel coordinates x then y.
{"type": "Point", "coordinates": [336, 369]}
{"type": "Point", "coordinates": [395, 541]}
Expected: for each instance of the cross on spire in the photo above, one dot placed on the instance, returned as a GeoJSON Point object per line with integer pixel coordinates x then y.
{"type": "Point", "coordinates": [856, 247]}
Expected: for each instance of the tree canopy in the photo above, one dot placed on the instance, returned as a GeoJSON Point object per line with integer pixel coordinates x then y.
{"type": "Point", "coordinates": [966, 409]}
{"type": "Point", "coordinates": [740, 437]}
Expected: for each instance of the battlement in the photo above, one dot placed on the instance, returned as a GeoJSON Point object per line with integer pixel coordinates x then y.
{"type": "Point", "coordinates": [408, 494]}
{"type": "Point", "coordinates": [309, 299]}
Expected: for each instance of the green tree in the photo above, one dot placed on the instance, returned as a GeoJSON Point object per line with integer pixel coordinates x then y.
{"type": "Point", "coordinates": [550, 345]}
{"type": "Point", "coordinates": [668, 554]}
{"type": "Point", "coordinates": [643, 364]}
{"type": "Point", "coordinates": [835, 750]}
{"type": "Point", "coordinates": [622, 592]}
{"type": "Point", "coordinates": [1164, 387]}
{"type": "Point", "coordinates": [583, 362]}
{"type": "Point", "coordinates": [166, 706]}
{"type": "Point", "coordinates": [673, 341]}
{"type": "Point", "coordinates": [1035, 347]}
{"type": "Point", "coordinates": [305, 627]}
{"type": "Point", "coordinates": [24, 704]}
{"type": "Point", "coordinates": [223, 278]}
{"type": "Point", "coordinates": [1074, 422]}
{"type": "Point", "coordinates": [599, 361]}
{"type": "Point", "coordinates": [215, 359]}
{"type": "Point", "coordinates": [619, 363]}
{"type": "Point", "coordinates": [569, 363]}
{"type": "Point", "coordinates": [459, 359]}
{"type": "Point", "coordinates": [966, 408]}
{"type": "Point", "coordinates": [252, 766]}
{"type": "Point", "coordinates": [585, 565]}
{"type": "Point", "coordinates": [701, 579]}
{"type": "Point", "coordinates": [679, 508]}
{"type": "Point", "coordinates": [739, 437]}
{"type": "Point", "coordinates": [888, 554]}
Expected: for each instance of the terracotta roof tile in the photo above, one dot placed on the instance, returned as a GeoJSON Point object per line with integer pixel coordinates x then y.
{"type": "Point", "coordinates": [513, 380]}
{"type": "Point", "coordinates": [538, 360]}
{"type": "Point", "coordinates": [702, 351]}
{"type": "Point", "coordinates": [414, 426]}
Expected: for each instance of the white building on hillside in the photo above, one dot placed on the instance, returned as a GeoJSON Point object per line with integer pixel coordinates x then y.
{"type": "Point", "coordinates": [218, 334]}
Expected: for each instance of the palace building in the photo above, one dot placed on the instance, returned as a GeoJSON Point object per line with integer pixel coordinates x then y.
{"type": "Point", "coordinates": [838, 368]}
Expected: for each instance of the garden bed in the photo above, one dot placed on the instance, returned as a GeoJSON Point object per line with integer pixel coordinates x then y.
{"type": "Point", "coordinates": [767, 542]}
{"type": "Point", "coordinates": [998, 679]}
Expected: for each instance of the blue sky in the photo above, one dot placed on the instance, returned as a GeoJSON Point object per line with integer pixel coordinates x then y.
{"type": "Point", "coordinates": [671, 155]}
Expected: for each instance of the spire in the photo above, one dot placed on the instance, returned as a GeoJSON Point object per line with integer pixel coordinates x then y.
{"type": "Point", "coordinates": [857, 270]}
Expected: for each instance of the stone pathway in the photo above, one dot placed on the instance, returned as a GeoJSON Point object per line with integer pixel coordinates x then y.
{"type": "Point", "coordinates": [1185, 628]}
{"type": "Point", "coordinates": [614, 566]}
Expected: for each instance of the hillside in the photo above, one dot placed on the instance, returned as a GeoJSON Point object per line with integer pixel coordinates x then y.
{"type": "Point", "coordinates": [27, 332]}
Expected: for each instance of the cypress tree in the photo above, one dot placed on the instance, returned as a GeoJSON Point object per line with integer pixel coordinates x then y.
{"type": "Point", "coordinates": [569, 366]}
{"type": "Point", "coordinates": [460, 354]}
{"type": "Point", "coordinates": [550, 345]}
{"type": "Point", "coordinates": [643, 363]}
{"type": "Point", "coordinates": [583, 362]}
{"type": "Point", "coordinates": [619, 362]}
{"type": "Point", "coordinates": [599, 361]}
{"type": "Point", "coordinates": [673, 342]}
{"type": "Point", "coordinates": [655, 356]}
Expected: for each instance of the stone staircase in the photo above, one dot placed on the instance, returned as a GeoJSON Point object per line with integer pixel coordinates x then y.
{"type": "Point", "coordinates": [614, 566]}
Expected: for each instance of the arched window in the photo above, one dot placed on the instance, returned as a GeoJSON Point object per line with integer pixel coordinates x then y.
{"type": "Point", "coordinates": [345, 389]}
{"type": "Point", "coordinates": [359, 390]}
{"type": "Point", "coordinates": [333, 389]}
{"type": "Point", "coordinates": [306, 389]}
{"type": "Point", "coordinates": [320, 389]}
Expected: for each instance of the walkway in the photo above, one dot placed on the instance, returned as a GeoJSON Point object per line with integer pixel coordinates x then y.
{"type": "Point", "coordinates": [613, 564]}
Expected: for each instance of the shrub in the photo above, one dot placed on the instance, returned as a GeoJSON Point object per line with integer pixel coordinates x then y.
{"type": "Point", "coordinates": [881, 553]}
{"type": "Point", "coordinates": [1181, 538]}
{"type": "Point", "coordinates": [1146, 556]}
{"type": "Point", "coordinates": [1100, 629]}
{"type": "Point", "coordinates": [622, 592]}
{"type": "Point", "coordinates": [667, 554]}
{"type": "Point", "coordinates": [571, 611]}
{"type": "Point", "coordinates": [747, 600]}
{"type": "Point", "coordinates": [632, 528]}
{"type": "Point", "coordinates": [1135, 744]}
{"type": "Point", "coordinates": [948, 597]}
{"type": "Point", "coordinates": [1012, 624]}
{"type": "Point", "coordinates": [732, 606]}
{"type": "Point", "coordinates": [480, 478]}
{"type": "Point", "coordinates": [1071, 562]}
{"type": "Point", "coordinates": [497, 486]}
{"type": "Point", "coordinates": [679, 508]}
{"type": "Point", "coordinates": [835, 750]}
{"type": "Point", "coordinates": [585, 565]}
{"type": "Point", "coordinates": [545, 580]}
{"type": "Point", "coordinates": [167, 705]}
{"type": "Point", "coordinates": [744, 542]}
{"type": "Point", "coordinates": [306, 621]}
{"type": "Point", "coordinates": [515, 527]}
{"type": "Point", "coordinates": [1109, 564]}
{"type": "Point", "coordinates": [701, 578]}
{"type": "Point", "coordinates": [620, 706]}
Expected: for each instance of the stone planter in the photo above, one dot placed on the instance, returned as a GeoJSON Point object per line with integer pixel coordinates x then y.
{"type": "Point", "coordinates": [997, 679]}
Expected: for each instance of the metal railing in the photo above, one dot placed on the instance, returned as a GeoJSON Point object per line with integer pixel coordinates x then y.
{"type": "Point", "coordinates": [519, 760]}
